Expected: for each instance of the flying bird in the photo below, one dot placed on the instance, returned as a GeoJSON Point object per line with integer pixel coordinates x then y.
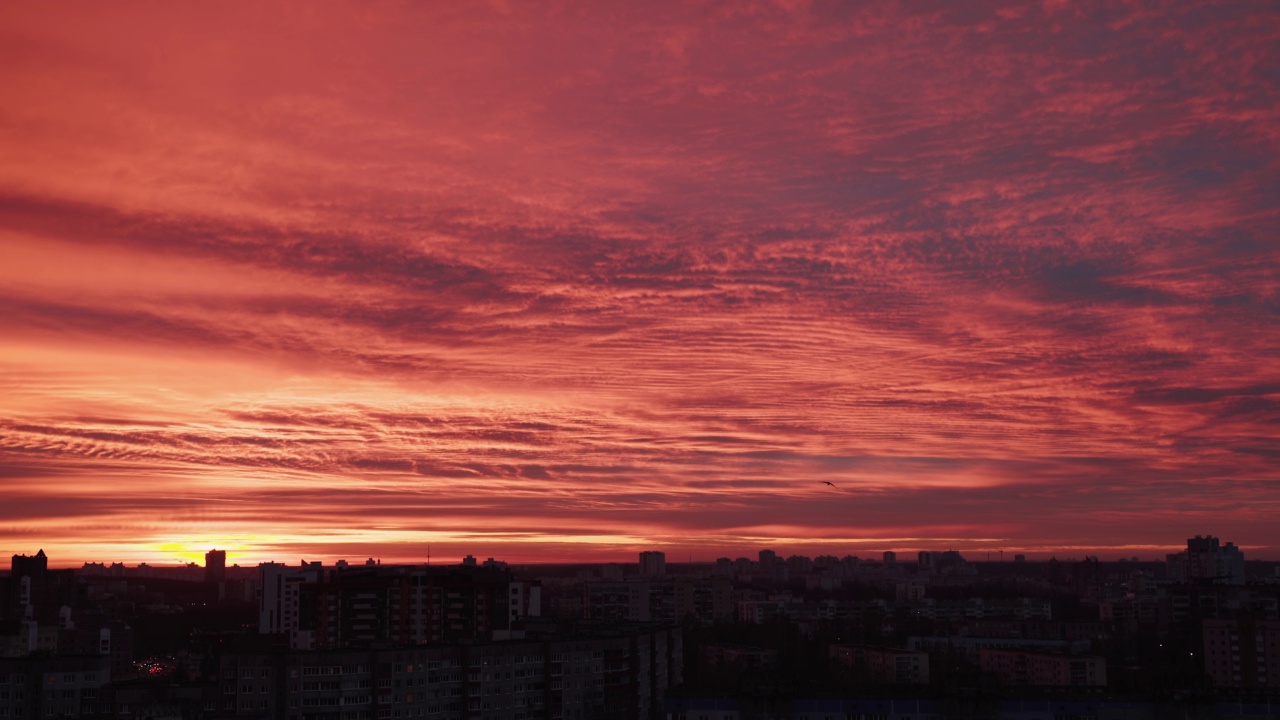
{"type": "Point", "coordinates": [828, 482]}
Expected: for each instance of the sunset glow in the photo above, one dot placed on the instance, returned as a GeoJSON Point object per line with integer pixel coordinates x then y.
{"type": "Point", "coordinates": [548, 282]}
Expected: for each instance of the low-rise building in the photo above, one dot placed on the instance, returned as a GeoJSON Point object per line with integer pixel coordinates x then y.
{"type": "Point", "coordinates": [1041, 669]}
{"type": "Point", "coordinates": [879, 665]}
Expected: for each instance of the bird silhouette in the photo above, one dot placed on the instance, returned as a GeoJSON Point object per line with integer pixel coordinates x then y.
{"type": "Point", "coordinates": [828, 482]}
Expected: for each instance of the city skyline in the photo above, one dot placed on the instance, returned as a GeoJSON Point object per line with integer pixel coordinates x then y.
{"type": "Point", "coordinates": [573, 281]}
{"type": "Point", "coordinates": [653, 562]}
{"type": "Point", "coordinates": [905, 555]}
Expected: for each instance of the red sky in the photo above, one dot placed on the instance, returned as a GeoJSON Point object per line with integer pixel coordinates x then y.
{"type": "Point", "coordinates": [545, 282]}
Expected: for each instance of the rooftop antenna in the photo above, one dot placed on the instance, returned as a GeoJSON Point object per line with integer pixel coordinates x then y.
{"type": "Point", "coordinates": [428, 556]}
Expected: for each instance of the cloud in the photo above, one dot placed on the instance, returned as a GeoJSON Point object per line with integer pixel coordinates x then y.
{"type": "Point", "coordinates": [525, 276]}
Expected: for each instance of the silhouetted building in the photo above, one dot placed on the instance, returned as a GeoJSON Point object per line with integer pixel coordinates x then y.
{"type": "Point", "coordinates": [653, 564]}
{"type": "Point", "coordinates": [924, 561]}
{"type": "Point", "coordinates": [22, 566]}
{"type": "Point", "coordinates": [799, 565]}
{"type": "Point", "coordinates": [770, 567]}
{"type": "Point", "coordinates": [1207, 562]}
{"type": "Point", "coordinates": [32, 593]}
{"type": "Point", "coordinates": [934, 562]}
{"type": "Point", "coordinates": [215, 566]}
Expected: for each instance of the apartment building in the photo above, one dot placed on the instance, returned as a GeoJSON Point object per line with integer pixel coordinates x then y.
{"type": "Point", "coordinates": [1243, 652]}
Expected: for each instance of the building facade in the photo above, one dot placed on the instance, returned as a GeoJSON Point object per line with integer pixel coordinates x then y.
{"type": "Point", "coordinates": [1242, 653]}
{"type": "Point", "coordinates": [319, 608]}
{"type": "Point", "coordinates": [653, 564]}
{"type": "Point", "coordinates": [605, 673]}
{"type": "Point", "coordinates": [879, 665]}
{"type": "Point", "coordinates": [1040, 669]}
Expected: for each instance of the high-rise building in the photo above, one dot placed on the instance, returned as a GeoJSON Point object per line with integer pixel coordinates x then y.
{"type": "Point", "coordinates": [769, 566]}
{"type": "Point", "coordinates": [215, 566]}
{"type": "Point", "coordinates": [279, 606]}
{"type": "Point", "coordinates": [33, 592]}
{"type": "Point", "coordinates": [1206, 560]}
{"type": "Point", "coordinates": [653, 564]}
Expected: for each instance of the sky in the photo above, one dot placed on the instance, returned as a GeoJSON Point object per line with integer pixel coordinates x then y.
{"type": "Point", "coordinates": [567, 281]}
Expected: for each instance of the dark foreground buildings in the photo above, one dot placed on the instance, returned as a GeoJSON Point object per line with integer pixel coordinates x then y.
{"type": "Point", "coordinates": [620, 673]}
{"type": "Point", "coordinates": [439, 642]}
{"type": "Point", "coordinates": [792, 638]}
{"type": "Point", "coordinates": [339, 643]}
